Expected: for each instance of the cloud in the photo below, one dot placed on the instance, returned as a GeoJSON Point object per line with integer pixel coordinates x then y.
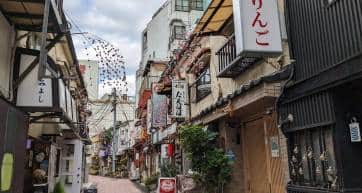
{"type": "Point", "coordinates": [120, 22]}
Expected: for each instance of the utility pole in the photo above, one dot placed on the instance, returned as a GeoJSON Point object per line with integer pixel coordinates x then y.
{"type": "Point", "coordinates": [114, 104]}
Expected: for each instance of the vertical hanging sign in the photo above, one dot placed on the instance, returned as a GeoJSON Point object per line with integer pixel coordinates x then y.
{"type": "Point", "coordinates": [179, 98]}
{"type": "Point", "coordinates": [257, 28]}
{"type": "Point", "coordinates": [159, 108]}
{"type": "Point", "coordinates": [149, 116]}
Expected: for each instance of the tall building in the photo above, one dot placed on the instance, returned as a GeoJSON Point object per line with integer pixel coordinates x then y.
{"type": "Point", "coordinates": [167, 31]}
{"type": "Point", "coordinates": [90, 72]}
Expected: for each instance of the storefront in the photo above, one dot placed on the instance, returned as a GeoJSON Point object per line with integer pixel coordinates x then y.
{"type": "Point", "coordinates": [320, 107]}
{"type": "Point", "coordinates": [13, 128]}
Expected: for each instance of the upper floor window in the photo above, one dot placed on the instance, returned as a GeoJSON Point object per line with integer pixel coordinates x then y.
{"type": "Point", "coordinates": [179, 32]}
{"type": "Point", "coordinates": [203, 84]}
{"type": "Point", "coordinates": [182, 5]}
{"type": "Point", "coordinates": [197, 5]}
{"type": "Point", "coordinates": [144, 41]}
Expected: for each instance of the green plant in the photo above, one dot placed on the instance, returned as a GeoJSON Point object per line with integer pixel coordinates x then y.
{"type": "Point", "coordinates": [59, 188]}
{"type": "Point", "coordinates": [168, 170]}
{"type": "Point", "coordinates": [210, 163]}
{"type": "Point", "coordinates": [151, 181]}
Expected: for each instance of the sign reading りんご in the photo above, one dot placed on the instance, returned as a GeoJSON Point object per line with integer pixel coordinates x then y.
{"type": "Point", "coordinates": [166, 185]}
{"type": "Point", "coordinates": [257, 28]}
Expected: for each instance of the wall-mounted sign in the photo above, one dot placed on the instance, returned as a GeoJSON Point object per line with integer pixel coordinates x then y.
{"type": "Point", "coordinates": [355, 131]}
{"type": "Point", "coordinates": [46, 95]}
{"type": "Point", "coordinates": [166, 185]}
{"type": "Point", "coordinates": [257, 28]}
{"type": "Point", "coordinates": [179, 98]}
{"type": "Point", "coordinates": [31, 91]}
{"type": "Point", "coordinates": [274, 145]}
{"type": "Point", "coordinates": [159, 109]}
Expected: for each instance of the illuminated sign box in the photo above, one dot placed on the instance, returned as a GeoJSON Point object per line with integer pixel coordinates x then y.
{"type": "Point", "coordinates": [257, 28]}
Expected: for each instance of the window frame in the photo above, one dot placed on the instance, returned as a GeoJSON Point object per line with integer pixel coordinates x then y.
{"type": "Point", "coordinates": [197, 5]}
{"type": "Point", "coordinates": [179, 36]}
{"type": "Point", "coordinates": [204, 79]}
{"type": "Point", "coordinates": [182, 5]}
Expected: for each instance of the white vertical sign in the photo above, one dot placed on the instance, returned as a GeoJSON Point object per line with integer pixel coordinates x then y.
{"type": "Point", "coordinates": [149, 115]}
{"type": "Point", "coordinates": [257, 28]}
{"type": "Point", "coordinates": [179, 98]}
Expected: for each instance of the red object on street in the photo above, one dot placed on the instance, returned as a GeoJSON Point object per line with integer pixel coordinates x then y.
{"type": "Point", "coordinates": [167, 185]}
{"type": "Point", "coordinates": [170, 150]}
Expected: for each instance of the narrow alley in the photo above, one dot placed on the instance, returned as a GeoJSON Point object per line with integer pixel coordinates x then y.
{"type": "Point", "coordinates": [112, 185]}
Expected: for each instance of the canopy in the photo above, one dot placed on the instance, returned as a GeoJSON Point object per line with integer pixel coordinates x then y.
{"type": "Point", "coordinates": [216, 15]}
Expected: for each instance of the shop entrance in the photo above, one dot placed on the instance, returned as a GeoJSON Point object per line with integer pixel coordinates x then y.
{"type": "Point", "coordinates": [256, 160]}
{"type": "Point", "coordinates": [263, 159]}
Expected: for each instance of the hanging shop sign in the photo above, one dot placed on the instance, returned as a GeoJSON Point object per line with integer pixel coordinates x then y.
{"type": "Point", "coordinates": [257, 28]}
{"type": "Point", "coordinates": [149, 116]}
{"type": "Point", "coordinates": [159, 109]}
{"type": "Point", "coordinates": [164, 151]}
{"type": "Point", "coordinates": [46, 95]}
{"type": "Point", "coordinates": [179, 98]}
{"type": "Point", "coordinates": [355, 131]}
{"type": "Point", "coordinates": [166, 185]}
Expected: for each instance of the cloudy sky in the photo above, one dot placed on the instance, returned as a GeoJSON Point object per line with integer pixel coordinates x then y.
{"type": "Point", "coordinates": [117, 21]}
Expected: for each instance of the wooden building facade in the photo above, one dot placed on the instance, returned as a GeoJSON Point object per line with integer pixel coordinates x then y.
{"type": "Point", "coordinates": [319, 110]}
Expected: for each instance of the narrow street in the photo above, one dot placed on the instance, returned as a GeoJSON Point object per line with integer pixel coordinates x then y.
{"type": "Point", "coordinates": [112, 185]}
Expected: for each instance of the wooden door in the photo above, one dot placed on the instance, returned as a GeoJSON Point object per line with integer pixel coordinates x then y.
{"type": "Point", "coordinates": [277, 175]}
{"type": "Point", "coordinates": [256, 158]}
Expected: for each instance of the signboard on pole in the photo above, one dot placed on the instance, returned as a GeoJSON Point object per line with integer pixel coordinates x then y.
{"type": "Point", "coordinates": [179, 98]}
{"type": "Point", "coordinates": [166, 185]}
{"type": "Point", "coordinates": [257, 28]}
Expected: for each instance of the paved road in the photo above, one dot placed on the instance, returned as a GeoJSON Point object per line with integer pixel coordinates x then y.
{"type": "Point", "coordinates": [110, 185]}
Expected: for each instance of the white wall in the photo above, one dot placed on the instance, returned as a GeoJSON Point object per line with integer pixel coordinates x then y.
{"type": "Point", "coordinates": [7, 35]}
{"type": "Point", "coordinates": [91, 78]}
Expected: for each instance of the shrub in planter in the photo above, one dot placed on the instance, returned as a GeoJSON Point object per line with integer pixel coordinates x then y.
{"type": "Point", "coordinates": [59, 188]}
{"type": "Point", "coordinates": [151, 182]}
{"type": "Point", "coordinates": [206, 158]}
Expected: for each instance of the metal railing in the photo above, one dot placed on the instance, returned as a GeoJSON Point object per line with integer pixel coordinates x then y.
{"type": "Point", "coordinates": [227, 53]}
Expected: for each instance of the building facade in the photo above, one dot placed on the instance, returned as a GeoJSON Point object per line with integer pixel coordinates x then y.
{"type": "Point", "coordinates": [318, 109]}
{"type": "Point", "coordinates": [43, 96]}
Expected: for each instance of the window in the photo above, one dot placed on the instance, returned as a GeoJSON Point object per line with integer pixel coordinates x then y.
{"type": "Point", "coordinates": [197, 5]}
{"type": "Point", "coordinates": [203, 84]}
{"type": "Point", "coordinates": [179, 32]}
{"type": "Point", "coordinates": [182, 5]}
{"type": "Point", "coordinates": [144, 41]}
{"type": "Point", "coordinates": [312, 160]}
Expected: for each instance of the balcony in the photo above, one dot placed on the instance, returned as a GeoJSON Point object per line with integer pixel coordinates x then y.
{"type": "Point", "coordinates": [230, 63]}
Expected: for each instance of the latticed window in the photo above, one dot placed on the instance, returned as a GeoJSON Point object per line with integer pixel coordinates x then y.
{"type": "Point", "coordinates": [179, 32]}
{"type": "Point", "coordinates": [312, 159]}
{"type": "Point", "coordinates": [203, 84]}
{"type": "Point", "coordinates": [182, 5]}
{"type": "Point", "coordinates": [197, 5]}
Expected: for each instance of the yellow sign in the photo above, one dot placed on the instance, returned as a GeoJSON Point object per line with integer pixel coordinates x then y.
{"type": "Point", "coordinates": [7, 168]}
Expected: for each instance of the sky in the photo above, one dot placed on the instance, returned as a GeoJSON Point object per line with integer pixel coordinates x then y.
{"type": "Point", "coordinates": [120, 22]}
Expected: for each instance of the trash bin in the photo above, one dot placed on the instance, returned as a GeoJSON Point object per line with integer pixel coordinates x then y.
{"type": "Point", "coordinates": [90, 188]}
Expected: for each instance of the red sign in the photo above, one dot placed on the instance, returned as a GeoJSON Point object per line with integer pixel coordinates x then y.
{"type": "Point", "coordinates": [167, 185]}
{"type": "Point", "coordinates": [82, 68]}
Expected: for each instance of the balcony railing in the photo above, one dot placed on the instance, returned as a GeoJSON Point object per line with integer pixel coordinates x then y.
{"type": "Point", "coordinates": [230, 63]}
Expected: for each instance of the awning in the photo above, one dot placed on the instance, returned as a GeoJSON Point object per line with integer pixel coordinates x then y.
{"type": "Point", "coordinates": [28, 15]}
{"type": "Point", "coordinates": [216, 15]}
